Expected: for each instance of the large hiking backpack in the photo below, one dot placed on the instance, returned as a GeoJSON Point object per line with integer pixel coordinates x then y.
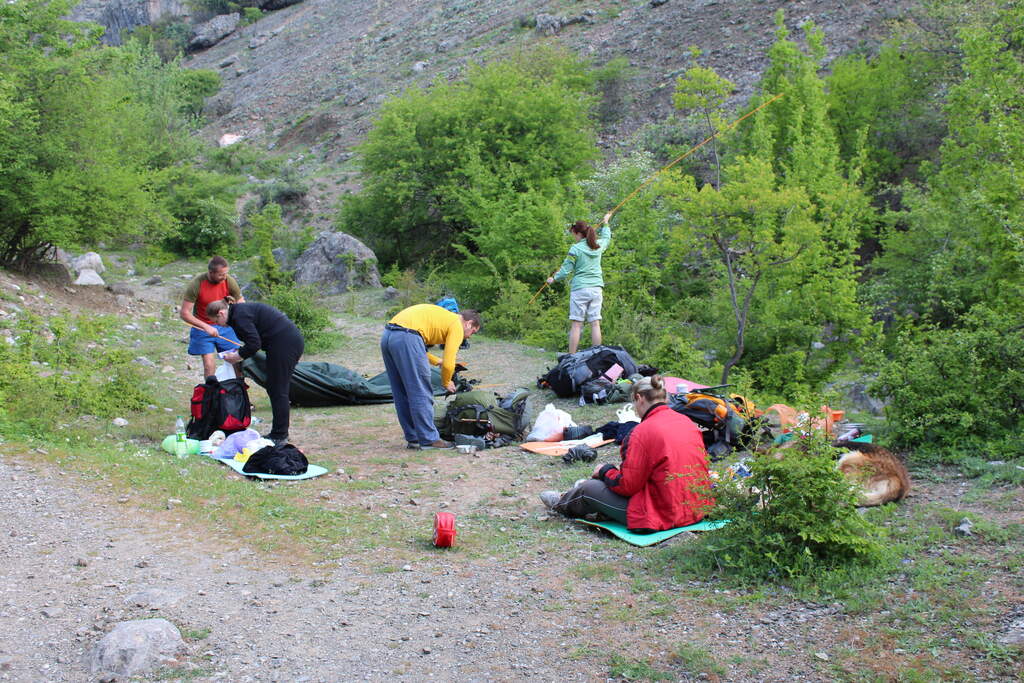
{"type": "Point", "coordinates": [220, 406]}
{"type": "Point", "coordinates": [476, 413]}
{"type": "Point", "coordinates": [720, 423]}
{"type": "Point", "coordinates": [727, 422]}
{"type": "Point", "coordinates": [575, 369]}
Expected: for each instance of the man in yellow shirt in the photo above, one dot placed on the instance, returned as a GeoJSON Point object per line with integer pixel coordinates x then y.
{"type": "Point", "coordinates": [404, 348]}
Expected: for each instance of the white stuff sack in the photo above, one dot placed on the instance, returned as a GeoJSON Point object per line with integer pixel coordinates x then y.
{"type": "Point", "coordinates": [551, 422]}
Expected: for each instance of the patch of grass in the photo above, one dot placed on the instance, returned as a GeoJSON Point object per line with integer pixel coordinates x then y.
{"type": "Point", "coordinates": [601, 571]}
{"type": "Point", "coordinates": [631, 669]}
{"type": "Point", "coordinates": [695, 659]}
{"type": "Point", "coordinates": [196, 633]}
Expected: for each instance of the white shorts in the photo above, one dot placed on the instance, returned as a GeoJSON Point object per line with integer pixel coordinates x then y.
{"type": "Point", "coordinates": [585, 304]}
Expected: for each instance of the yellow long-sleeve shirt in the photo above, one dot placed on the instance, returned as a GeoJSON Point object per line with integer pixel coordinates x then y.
{"type": "Point", "coordinates": [437, 326]}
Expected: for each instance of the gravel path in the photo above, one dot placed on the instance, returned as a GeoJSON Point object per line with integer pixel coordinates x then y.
{"type": "Point", "coordinates": [75, 566]}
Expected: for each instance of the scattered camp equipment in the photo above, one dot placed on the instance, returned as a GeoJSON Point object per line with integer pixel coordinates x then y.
{"type": "Point", "coordinates": [327, 384]}
{"type": "Point", "coordinates": [560, 448]}
{"type": "Point", "coordinates": [478, 413]}
{"type": "Point", "coordinates": [576, 369]}
{"type": "Point", "coordinates": [218, 405]}
{"type": "Point", "coordinates": [284, 459]}
{"type": "Point", "coordinates": [444, 530]}
{"type": "Point", "coordinates": [726, 422]}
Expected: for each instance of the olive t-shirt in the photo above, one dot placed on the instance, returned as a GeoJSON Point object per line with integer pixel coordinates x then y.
{"type": "Point", "coordinates": [202, 292]}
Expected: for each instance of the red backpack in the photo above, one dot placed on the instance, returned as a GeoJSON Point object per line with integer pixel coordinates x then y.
{"type": "Point", "coordinates": [219, 405]}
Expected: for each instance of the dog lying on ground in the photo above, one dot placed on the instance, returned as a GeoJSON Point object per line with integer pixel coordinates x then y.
{"type": "Point", "coordinates": [881, 475]}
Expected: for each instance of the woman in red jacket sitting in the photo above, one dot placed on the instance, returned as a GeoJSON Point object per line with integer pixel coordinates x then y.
{"type": "Point", "coordinates": [662, 482]}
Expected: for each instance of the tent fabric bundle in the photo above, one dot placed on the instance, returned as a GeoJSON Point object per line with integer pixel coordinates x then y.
{"type": "Point", "coordinates": [327, 384]}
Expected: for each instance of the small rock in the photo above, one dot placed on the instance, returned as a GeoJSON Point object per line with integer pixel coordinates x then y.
{"type": "Point", "coordinates": [407, 568]}
{"type": "Point", "coordinates": [135, 647]}
{"type": "Point", "coordinates": [155, 280]}
{"type": "Point", "coordinates": [658, 3]}
{"type": "Point", "coordinates": [6, 662]}
{"type": "Point", "coordinates": [89, 277]}
{"type": "Point", "coordinates": [965, 528]}
{"type": "Point", "coordinates": [123, 499]}
{"type": "Point", "coordinates": [120, 422]}
{"type": "Point", "coordinates": [52, 612]}
{"type": "Point", "coordinates": [325, 495]}
{"type": "Point", "coordinates": [822, 656]}
{"type": "Point", "coordinates": [171, 502]}
{"type": "Point", "coordinates": [81, 562]}
{"type": "Point", "coordinates": [426, 650]}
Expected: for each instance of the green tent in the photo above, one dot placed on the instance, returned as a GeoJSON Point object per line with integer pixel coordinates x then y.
{"type": "Point", "coordinates": [327, 384]}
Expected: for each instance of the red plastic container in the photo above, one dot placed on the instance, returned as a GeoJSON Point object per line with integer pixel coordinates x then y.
{"type": "Point", "coordinates": [444, 530]}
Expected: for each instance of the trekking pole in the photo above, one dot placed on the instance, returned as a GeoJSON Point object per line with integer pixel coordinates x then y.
{"type": "Point", "coordinates": [239, 344]}
{"type": "Point", "coordinates": [676, 161]}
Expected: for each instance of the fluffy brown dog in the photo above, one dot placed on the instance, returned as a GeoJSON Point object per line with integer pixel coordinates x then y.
{"type": "Point", "coordinates": [882, 476]}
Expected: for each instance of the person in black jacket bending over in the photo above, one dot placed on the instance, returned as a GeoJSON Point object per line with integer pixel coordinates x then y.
{"type": "Point", "coordinates": [261, 326]}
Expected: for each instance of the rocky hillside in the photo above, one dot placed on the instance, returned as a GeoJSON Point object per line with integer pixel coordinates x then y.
{"type": "Point", "coordinates": [307, 79]}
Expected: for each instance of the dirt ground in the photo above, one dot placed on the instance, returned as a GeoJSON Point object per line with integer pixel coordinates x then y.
{"type": "Point", "coordinates": [523, 595]}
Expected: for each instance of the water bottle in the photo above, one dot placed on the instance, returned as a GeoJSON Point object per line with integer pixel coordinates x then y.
{"type": "Point", "coordinates": [180, 446]}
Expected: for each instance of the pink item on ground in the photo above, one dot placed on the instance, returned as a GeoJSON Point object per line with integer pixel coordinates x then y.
{"type": "Point", "coordinates": [676, 385]}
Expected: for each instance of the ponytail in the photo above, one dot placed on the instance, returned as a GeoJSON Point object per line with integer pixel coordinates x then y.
{"type": "Point", "coordinates": [587, 232]}
{"type": "Point", "coordinates": [651, 388]}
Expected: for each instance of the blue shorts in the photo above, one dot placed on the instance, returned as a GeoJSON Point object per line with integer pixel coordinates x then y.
{"type": "Point", "coordinates": [200, 343]}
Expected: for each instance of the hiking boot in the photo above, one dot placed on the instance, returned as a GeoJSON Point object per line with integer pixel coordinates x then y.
{"type": "Point", "coordinates": [440, 443]}
{"type": "Point", "coordinates": [550, 499]}
{"type": "Point", "coordinates": [412, 445]}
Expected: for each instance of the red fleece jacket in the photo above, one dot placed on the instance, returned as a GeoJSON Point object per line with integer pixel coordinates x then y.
{"type": "Point", "coordinates": [665, 473]}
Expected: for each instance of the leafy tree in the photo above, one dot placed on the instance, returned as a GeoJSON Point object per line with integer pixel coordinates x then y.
{"type": "Point", "coordinates": [705, 91]}
{"type": "Point", "coordinates": [88, 132]}
{"type": "Point", "coordinates": [489, 162]}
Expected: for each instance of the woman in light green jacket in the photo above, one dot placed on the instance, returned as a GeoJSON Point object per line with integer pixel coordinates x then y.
{"type": "Point", "coordinates": [583, 262]}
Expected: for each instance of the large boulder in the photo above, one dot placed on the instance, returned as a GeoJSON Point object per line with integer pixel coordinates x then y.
{"type": "Point", "coordinates": [337, 262]}
{"type": "Point", "coordinates": [90, 260]}
{"type": "Point", "coordinates": [135, 647]}
{"type": "Point", "coordinates": [211, 32]}
{"type": "Point", "coordinates": [88, 276]}
{"type": "Point", "coordinates": [120, 16]}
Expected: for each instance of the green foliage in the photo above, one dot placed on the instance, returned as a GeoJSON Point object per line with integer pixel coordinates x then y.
{"type": "Point", "coordinates": [268, 276]}
{"type": "Point", "coordinates": [167, 37]}
{"type": "Point", "coordinates": [958, 390]}
{"type": "Point", "coordinates": [195, 85]}
{"type": "Point", "coordinates": [250, 15]}
{"type": "Point", "coordinates": [64, 367]}
{"type": "Point", "coordinates": [314, 321]}
{"type": "Point", "coordinates": [795, 516]}
{"type": "Point", "coordinates": [88, 131]}
{"type": "Point", "coordinates": [961, 242]}
{"type": "Point", "coordinates": [489, 162]}
{"type": "Point", "coordinates": [203, 204]}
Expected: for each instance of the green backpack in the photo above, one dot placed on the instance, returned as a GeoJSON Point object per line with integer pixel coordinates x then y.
{"type": "Point", "coordinates": [478, 412]}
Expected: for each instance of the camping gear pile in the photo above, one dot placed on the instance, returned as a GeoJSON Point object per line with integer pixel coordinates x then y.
{"type": "Point", "coordinates": [600, 374]}
{"type": "Point", "coordinates": [482, 418]}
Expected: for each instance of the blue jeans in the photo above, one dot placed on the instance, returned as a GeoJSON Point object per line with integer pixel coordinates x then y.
{"type": "Point", "coordinates": [405, 359]}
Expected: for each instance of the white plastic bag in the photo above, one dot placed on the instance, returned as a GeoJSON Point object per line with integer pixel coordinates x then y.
{"type": "Point", "coordinates": [550, 423]}
{"type": "Point", "coordinates": [225, 372]}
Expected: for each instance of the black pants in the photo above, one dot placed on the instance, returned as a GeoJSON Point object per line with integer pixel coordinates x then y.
{"type": "Point", "coordinates": [282, 357]}
{"type": "Point", "coordinates": [593, 495]}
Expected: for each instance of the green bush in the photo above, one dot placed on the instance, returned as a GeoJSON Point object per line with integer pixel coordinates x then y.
{"type": "Point", "coordinates": [64, 367]}
{"type": "Point", "coordinates": [490, 162]}
{"type": "Point", "coordinates": [957, 391]}
{"type": "Point", "coordinates": [793, 517]}
{"type": "Point", "coordinates": [299, 304]}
